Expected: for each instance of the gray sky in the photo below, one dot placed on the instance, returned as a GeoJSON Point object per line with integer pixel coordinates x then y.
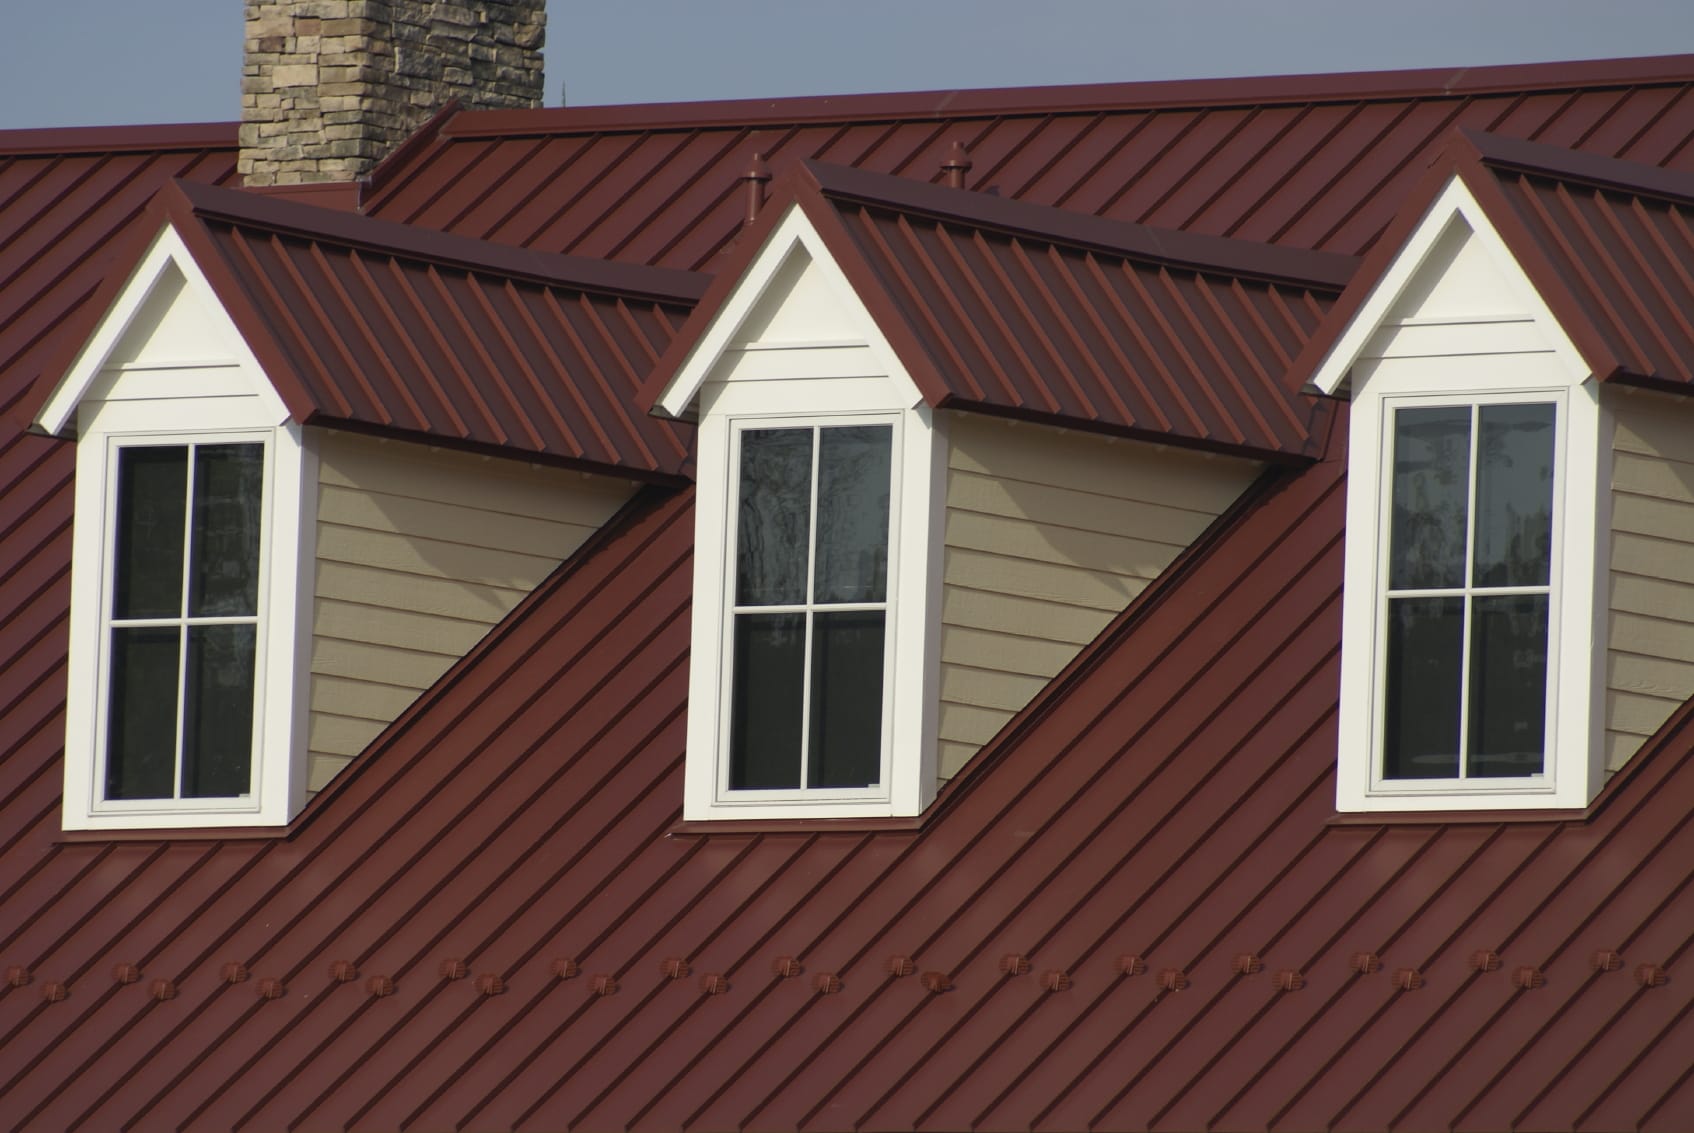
{"type": "Point", "coordinates": [86, 62]}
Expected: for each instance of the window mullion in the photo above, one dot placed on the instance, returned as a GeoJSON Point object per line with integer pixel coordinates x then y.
{"type": "Point", "coordinates": [811, 582]}
{"type": "Point", "coordinates": [182, 632]}
{"type": "Point", "coordinates": [1469, 593]}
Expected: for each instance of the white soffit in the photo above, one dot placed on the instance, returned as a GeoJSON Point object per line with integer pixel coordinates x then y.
{"type": "Point", "coordinates": [793, 295]}
{"type": "Point", "coordinates": [166, 317]}
{"type": "Point", "coordinates": [1454, 267]}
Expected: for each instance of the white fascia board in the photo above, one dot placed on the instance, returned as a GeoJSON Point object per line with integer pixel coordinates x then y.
{"type": "Point", "coordinates": [167, 250]}
{"type": "Point", "coordinates": [1455, 203]}
{"type": "Point", "coordinates": [793, 233]}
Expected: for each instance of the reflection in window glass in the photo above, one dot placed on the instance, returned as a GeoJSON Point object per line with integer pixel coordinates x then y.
{"type": "Point", "coordinates": [182, 666]}
{"type": "Point", "coordinates": [1465, 667]}
{"type": "Point", "coordinates": [775, 517]}
{"type": "Point", "coordinates": [807, 692]}
{"type": "Point", "coordinates": [1426, 546]}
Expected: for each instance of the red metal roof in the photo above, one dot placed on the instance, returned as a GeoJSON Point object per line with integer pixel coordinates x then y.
{"type": "Point", "coordinates": [1303, 162]}
{"type": "Point", "coordinates": [1030, 311]}
{"type": "Point", "coordinates": [1200, 946]}
{"type": "Point", "coordinates": [1607, 244]}
{"type": "Point", "coordinates": [1137, 911]}
{"type": "Point", "coordinates": [364, 323]}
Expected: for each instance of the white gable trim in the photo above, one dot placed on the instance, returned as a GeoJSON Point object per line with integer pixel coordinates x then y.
{"type": "Point", "coordinates": [1454, 205]}
{"type": "Point", "coordinates": [168, 250]}
{"type": "Point", "coordinates": [794, 233]}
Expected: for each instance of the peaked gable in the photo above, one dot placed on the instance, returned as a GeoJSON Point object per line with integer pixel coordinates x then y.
{"type": "Point", "coordinates": [164, 335]}
{"type": "Point", "coordinates": [1055, 317]}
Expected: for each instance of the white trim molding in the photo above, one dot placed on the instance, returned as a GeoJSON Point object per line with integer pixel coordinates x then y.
{"type": "Point", "coordinates": [794, 348]}
{"type": "Point", "coordinates": [1424, 342]}
{"type": "Point", "coordinates": [168, 368]}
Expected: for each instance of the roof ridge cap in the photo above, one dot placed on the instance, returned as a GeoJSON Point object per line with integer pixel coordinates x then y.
{"type": "Point", "coordinates": [1080, 98]}
{"type": "Point", "coordinates": [1220, 254]}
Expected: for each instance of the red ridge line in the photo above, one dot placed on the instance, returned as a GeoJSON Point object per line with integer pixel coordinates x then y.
{"type": "Point", "coordinates": [1430, 83]}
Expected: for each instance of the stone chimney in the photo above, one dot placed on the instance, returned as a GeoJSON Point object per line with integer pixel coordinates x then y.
{"type": "Point", "coordinates": [330, 87]}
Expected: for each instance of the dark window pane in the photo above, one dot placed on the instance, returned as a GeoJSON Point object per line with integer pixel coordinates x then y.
{"type": "Point", "coordinates": [1421, 705]}
{"type": "Point", "coordinates": [1426, 543]}
{"type": "Point", "coordinates": [228, 485]}
{"type": "Point", "coordinates": [217, 710]}
{"type": "Point", "coordinates": [141, 714]}
{"type": "Point", "coordinates": [152, 498]}
{"type": "Point", "coordinates": [1514, 495]}
{"type": "Point", "coordinates": [846, 724]}
{"type": "Point", "coordinates": [1508, 685]}
{"type": "Point", "coordinates": [764, 715]}
{"type": "Point", "coordinates": [853, 479]}
{"type": "Point", "coordinates": [775, 516]}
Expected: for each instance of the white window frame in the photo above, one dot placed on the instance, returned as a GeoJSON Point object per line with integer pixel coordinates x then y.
{"type": "Point", "coordinates": [1574, 759]}
{"type": "Point", "coordinates": [115, 446]}
{"type": "Point", "coordinates": [911, 659]}
{"type": "Point", "coordinates": [723, 795]}
{"type": "Point", "coordinates": [280, 666]}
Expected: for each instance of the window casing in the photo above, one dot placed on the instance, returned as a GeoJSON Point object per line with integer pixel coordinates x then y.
{"type": "Point", "coordinates": [1471, 597]}
{"type": "Point", "coordinates": [187, 627]}
{"type": "Point", "coordinates": [1466, 578]}
{"type": "Point", "coordinates": [182, 621]}
{"type": "Point", "coordinates": [807, 646]}
{"type": "Point", "coordinates": [812, 692]}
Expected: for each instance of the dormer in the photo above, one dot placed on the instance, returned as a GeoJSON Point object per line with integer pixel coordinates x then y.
{"type": "Point", "coordinates": [816, 569]}
{"type": "Point", "coordinates": [1518, 283]}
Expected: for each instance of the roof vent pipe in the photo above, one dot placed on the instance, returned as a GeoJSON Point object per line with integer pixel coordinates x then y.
{"type": "Point", "coordinates": [757, 174]}
{"type": "Point", "coordinates": [956, 165]}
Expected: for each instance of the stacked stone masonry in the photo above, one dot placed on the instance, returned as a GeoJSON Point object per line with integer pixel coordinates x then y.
{"type": "Point", "coordinates": [330, 87]}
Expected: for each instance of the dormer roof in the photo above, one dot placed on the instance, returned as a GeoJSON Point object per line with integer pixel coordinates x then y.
{"type": "Point", "coordinates": [1038, 313]}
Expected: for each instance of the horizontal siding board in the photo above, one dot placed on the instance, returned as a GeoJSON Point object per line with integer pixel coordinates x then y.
{"type": "Point", "coordinates": [1018, 616]}
{"type": "Point", "coordinates": [399, 468]}
{"type": "Point", "coordinates": [449, 523]}
{"type": "Point", "coordinates": [1058, 545]}
{"type": "Point", "coordinates": [420, 551]}
{"type": "Point", "coordinates": [362, 700]}
{"type": "Point", "coordinates": [1049, 534]}
{"type": "Point", "coordinates": [1650, 662]}
{"type": "Point", "coordinates": [357, 660]}
{"type": "Point", "coordinates": [412, 554]}
{"type": "Point", "coordinates": [971, 723]}
{"type": "Point", "coordinates": [1077, 509]}
{"type": "Point", "coordinates": [424, 633]}
{"type": "Point", "coordinates": [1030, 656]}
{"type": "Point", "coordinates": [341, 735]}
{"type": "Point", "coordinates": [447, 597]}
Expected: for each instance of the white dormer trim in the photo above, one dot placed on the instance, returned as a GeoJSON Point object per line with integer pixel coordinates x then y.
{"type": "Point", "coordinates": [1454, 205]}
{"type": "Point", "coordinates": [224, 345]}
{"type": "Point", "coordinates": [794, 348]}
{"type": "Point", "coordinates": [168, 369]}
{"type": "Point", "coordinates": [1456, 325]}
{"type": "Point", "coordinates": [725, 334]}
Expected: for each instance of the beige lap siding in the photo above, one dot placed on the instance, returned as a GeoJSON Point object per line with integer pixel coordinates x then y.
{"type": "Point", "coordinates": [1050, 534]}
{"type": "Point", "coordinates": [419, 552]}
{"type": "Point", "coordinates": [1650, 655]}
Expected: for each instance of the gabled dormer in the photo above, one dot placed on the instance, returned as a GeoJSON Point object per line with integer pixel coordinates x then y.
{"type": "Point", "coordinates": [318, 457]}
{"type": "Point", "coordinates": [1518, 282]}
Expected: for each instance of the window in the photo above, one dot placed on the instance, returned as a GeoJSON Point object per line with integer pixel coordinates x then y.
{"type": "Point", "coordinates": [812, 684]}
{"type": "Point", "coordinates": [188, 641]}
{"type": "Point", "coordinates": [182, 626]}
{"type": "Point", "coordinates": [1468, 578]}
{"type": "Point", "coordinates": [808, 633]}
{"type": "Point", "coordinates": [1471, 595]}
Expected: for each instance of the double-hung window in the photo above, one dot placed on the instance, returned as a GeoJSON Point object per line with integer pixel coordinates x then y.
{"type": "Point", "coordinates": [1467, 585]}
{"type": "Point", "coordinates": [182, 622]}
{"type": "Point", "coordinates": [808, 648]}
